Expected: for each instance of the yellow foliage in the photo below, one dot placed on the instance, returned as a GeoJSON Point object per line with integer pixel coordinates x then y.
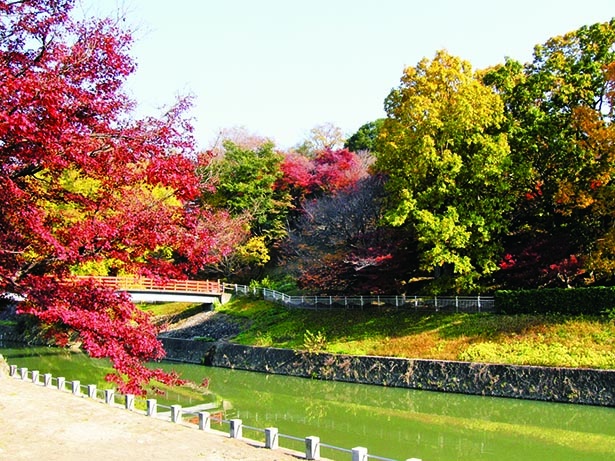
{"type": "Point", "coordinates": [73, 181]}
{"type": "Point", "coordinates": [445, 155]}
{"type": "Point", "coordinates": [602, 259]}
{"type": "Point", "coordinates": [96, 268]}
{"type": "Point", "coordinates": [255, 251]}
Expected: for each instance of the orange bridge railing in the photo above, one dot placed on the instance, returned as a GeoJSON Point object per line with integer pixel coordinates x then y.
{"type": "Point", "coordinates": [144, 283]}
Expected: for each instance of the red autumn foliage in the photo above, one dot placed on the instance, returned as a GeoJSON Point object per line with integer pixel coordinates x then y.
{"type": "Point", "coordinates": [297, 171]}
{"type": "Point", "coordinates": [328, 172]}
{"type": "Point", "coordinates": [566, 271]}
{"type": "Point", "coordinates": [535, 193]}
{"type": "Point", "coordinates": [82, 182]}
{"type": "Point", "coordinates": [337, 169]}
{"type": "Point", "coordinates": [363, 271]}
{"type": "Point", "coordinates": [536, 260]}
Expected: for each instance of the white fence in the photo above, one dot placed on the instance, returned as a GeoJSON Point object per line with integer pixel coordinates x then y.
{"type": "Point", "coordinates": [415, 303]}
{"type": "Point", "coordinates": [203, 419]}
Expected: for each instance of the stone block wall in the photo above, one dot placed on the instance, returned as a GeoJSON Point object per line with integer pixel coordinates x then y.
{"type": "Point", "coordinates": [585, 386]}
{"type": "Point", "coordinates": [186, 350]}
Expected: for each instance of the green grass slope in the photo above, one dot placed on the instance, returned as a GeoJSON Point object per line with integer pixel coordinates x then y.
{"type": "Point", "coordinates": [549, 340]}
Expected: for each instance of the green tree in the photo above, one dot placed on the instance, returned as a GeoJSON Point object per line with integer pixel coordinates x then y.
{"type": "Point", "coordinates": [245, 184]}
{"type": "Point", "coordinates": [446, 159]}
{"type": "Point", "coordinates": [365, 137]}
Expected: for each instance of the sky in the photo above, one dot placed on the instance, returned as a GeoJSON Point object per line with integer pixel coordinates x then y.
{"type": "Point", "coordinates": [278, 68]}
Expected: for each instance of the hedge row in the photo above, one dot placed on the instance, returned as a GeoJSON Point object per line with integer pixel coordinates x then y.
{"type": "Point", "coordinates": [590, 301]}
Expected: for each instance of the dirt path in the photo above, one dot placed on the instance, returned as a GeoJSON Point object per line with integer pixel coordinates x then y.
{"type": "Point", "coordinates": [211, 324]}
{"type": "Point", "coordinates": [48, 424]}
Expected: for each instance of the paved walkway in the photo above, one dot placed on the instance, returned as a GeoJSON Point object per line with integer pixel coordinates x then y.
{"type": "Point", "coordinates": [47, 424]}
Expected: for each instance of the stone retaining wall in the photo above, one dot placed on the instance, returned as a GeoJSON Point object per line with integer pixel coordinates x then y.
{"type": "Point", "coordinates": [594, 387]}
{"type": "Point", "coordinates": [186, 350]}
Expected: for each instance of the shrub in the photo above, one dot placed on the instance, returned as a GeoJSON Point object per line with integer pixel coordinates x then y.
{"type": "Point", "coordinates": [571, 301]}
{"type": "Point", "coordinates": [314, 342]}
{"type": "Point", "coordinates": [286, 284]}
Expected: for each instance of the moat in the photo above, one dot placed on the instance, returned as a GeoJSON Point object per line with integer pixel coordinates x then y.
{"type": "Point", "coordinates": [392, 422]}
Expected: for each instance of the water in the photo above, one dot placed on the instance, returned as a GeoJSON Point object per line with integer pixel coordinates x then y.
{"type": "Point", "coordinates": [392, 423]}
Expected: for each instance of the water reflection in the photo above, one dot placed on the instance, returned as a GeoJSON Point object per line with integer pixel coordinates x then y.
{"type": "Point", "coordinates": [402, 423]}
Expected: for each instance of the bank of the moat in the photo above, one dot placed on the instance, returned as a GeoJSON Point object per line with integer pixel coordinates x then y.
{"type": "Point", "coordinates": [570, 385]}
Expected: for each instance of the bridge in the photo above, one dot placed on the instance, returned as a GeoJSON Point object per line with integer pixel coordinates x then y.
{"type": "Point", "coordinates": [147, 290]}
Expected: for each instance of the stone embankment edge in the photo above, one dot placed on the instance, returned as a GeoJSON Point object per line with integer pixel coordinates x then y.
{"type": "Point", "coordinates": [552, 384]}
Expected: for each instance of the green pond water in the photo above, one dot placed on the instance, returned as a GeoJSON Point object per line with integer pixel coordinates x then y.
{"type": "Point", "coordinates": [391, 423]}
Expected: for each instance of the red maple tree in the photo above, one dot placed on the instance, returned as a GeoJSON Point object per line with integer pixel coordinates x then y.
{"type": "Point", "coordinates": [328, 172]}
{"type": "Point", "coordinates": [82, 181]}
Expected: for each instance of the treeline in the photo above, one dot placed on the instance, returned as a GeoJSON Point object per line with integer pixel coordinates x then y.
{"type": "Point", "coordinates": [476, 180]}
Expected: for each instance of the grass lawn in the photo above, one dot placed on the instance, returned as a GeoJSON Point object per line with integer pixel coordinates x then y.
{"type": "Point", "coordinates": [550, 340]}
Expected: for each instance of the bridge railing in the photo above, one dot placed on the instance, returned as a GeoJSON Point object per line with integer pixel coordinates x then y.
{"type": "Point", "coordinates": [418, 303]}
{"type": "Point", "coordinates": [144, 283]}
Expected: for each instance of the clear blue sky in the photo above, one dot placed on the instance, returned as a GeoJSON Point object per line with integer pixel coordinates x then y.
{"type": "Point", "coordinates": [281, 67]}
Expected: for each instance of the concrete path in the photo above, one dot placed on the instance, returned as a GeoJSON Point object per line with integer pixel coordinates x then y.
{"type": "Point", "coordinates": [48, 424]}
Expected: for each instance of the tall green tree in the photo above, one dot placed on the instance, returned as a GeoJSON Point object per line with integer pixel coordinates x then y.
{"type": "Point", "coordinates": [365, 138]}
{"type": "Point", "coordinates": [245, 183]}
{"type": "Point", "coordinates": [446, 158]}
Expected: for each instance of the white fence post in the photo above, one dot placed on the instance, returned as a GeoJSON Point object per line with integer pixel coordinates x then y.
{"type": "Point", "coordinates": [176, 413]}
{"type": "Point", "coordinates": [24, 373]}
{"type": "Point", "coordinates": [359, 454]}
{"type": "Point", "coordinates": [47, 379]}
{"type": "Point", "coordinates": [76, 387]}
{"type": "Point", "coordinates": [204, 420]}
{"type": "Point", "coordinates": [35, 374]}
{"type": "Point", "coordinates": [92, 391]}
{"type": "Point", "coordinates": [61, 381]}
{"type": "Point", "coordinates": [312, 447]}
{"type": "Point", "coordinates": [152, 407]}
{"type": "Point", "coordinates": [109, 396]}
{"type": "Point", "coordinates": [12, 371]}
{"type": "Point", "coordinates": [236, 428]}
{"type": "Point", "coordinates": [271, 438]}
{"type": "Point", "coordinates": [129, 402]}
